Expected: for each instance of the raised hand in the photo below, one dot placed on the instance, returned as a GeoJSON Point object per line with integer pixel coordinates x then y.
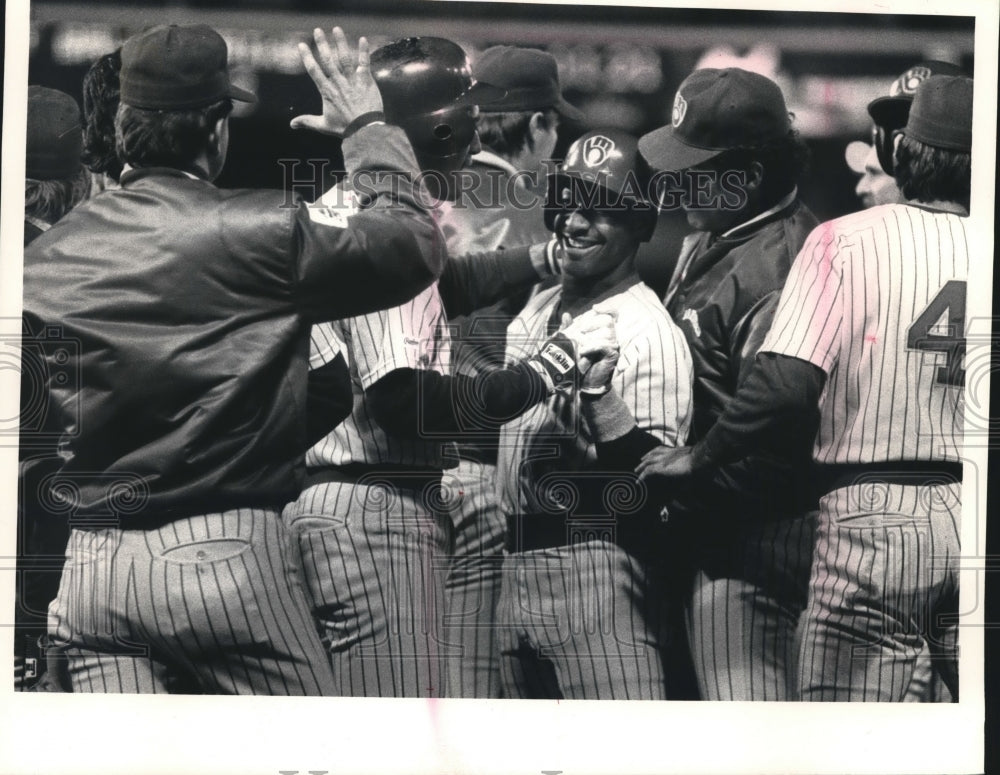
{"type": "Point", "coordinates": [344, 82]}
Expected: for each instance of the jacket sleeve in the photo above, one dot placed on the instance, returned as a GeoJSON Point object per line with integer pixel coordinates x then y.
{"type": "Point", "coordinates": [477, 280]}
{"type": "Point", "coordinates": [382, 254]}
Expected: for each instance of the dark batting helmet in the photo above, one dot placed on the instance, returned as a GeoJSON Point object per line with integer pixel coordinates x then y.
{"type": "Point", "coordinates": [603, 171]}
{"type": "Point", "coordinates": [889, 113]}
{"type": "Point", "coordinates": [427, 89]}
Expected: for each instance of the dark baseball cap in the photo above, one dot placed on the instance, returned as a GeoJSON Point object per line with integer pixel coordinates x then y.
{"type": "Point", "coordinates": [941, 114]}
{"type": "Point", "coordinates": [531, 78]}
{"type": "Point", "coordinates": [716, 111]}
{"type": "Point", "coordinates": [891, 111]}
{"type": "Point", "coordinates": [177, 67]}
{"type": "Point", "coordinates": [55, 134]}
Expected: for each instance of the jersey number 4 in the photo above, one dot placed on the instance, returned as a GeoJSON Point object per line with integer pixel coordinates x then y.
{"type": "Point", "coordinates": [950, 301]}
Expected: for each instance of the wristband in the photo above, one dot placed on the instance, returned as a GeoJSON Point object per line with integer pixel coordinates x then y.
{"type": "Point", "coordinates": [593, 393]}
{"type": "Point", "coordinates": [360, 122]}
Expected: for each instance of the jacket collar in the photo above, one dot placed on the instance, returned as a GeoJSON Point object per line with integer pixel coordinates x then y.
{"type": "Point", "coordinates": [774, 213]}
{"type": "Point", "coordinates": [131, 174]}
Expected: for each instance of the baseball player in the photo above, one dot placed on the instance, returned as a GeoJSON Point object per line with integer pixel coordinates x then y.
{"type": "Point", "coordinates": [869, 331]}
{"type": "Point", "coordinates": [373, 522]}
{"type": "Point", "coordinates": [745, 534]}
{"type": "Point", "coordinates": [55, 182]}
{"type": "Point", "coordinates": [873, 162]}
{"type": "Point", "coordinates": [876, 186]}
{"type": "Point", "coordinates": [497, 208]}
{"type": "Point", "coordinates": [580, 614]}
{"type": "Point", "coordinates": [183, 312]}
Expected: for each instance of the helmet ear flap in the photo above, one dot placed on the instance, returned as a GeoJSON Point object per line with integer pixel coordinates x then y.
{"type": "Point", "coordinates": [882, 139]}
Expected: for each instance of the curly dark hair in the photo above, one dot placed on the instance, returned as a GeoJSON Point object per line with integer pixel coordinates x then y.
{"type": "Point", "coordinates": [785, 162]}
{"type": "Point", "coordinates": [166, 138]}
{"type": "Point", "coordinates": [50, 200]}
{"type": "Point", "coordinates": [927, 174]}
{"type": "Point", "coordinates": [101, 88]}
{"type": "Point", "coordinates": [506, 132]}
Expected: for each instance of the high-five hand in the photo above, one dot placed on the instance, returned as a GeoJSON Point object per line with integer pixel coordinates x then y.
{"type": "Point", "coordinates": [344, 82]}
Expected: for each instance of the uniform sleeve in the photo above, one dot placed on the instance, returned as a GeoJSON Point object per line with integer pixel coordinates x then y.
{"type": "Point", "coordinates": [810, 312]}
{"type": "Point", "coordinates": [778, 399]}
{"type": "Point", "coordinates": [477, 280]}
{"type": "Point", "coordinates": [407, 401]}
{"type": "Point", "coordinates": [386, 252]}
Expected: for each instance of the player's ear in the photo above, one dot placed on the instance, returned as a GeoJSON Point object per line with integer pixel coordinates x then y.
{"type": "Point", "coordinates": [897, 137]}
{"type": "Point", "coordinates": [755, 176]}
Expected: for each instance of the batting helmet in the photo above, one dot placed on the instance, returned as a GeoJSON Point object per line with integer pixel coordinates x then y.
{"type": "Point", "coordinates": [427, 89]}
{"type": "Point", "coordinates": [890, 112]}
{"type": "Point", "coordinates": [602, 171]}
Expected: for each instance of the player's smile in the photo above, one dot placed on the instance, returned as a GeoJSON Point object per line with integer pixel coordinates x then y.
{"type": "Point", "coordinates": [594, 242]}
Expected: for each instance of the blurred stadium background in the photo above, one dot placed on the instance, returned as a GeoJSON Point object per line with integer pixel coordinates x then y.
{"type": "Point", "coordinates": [620, 65]}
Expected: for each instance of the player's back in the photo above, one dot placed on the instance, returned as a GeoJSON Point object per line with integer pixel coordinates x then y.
{"type": "Point", "coordinates": [895, 388]}
{"type": "Point", "coordinates": [176, 299]}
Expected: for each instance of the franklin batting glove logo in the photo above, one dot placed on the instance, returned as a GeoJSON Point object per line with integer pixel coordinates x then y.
{"type": "Point", "coordinates": [680, 110]}
{"type": "Point", "coordinates": [596, 150]}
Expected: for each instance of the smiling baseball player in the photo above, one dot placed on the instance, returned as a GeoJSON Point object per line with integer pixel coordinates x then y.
{"type": "Point", "coordinates": [870, 329]}
{"type": "Point", "coordinates": [581, 609]}
{"type": "Point", "coordinates": [373, 521]}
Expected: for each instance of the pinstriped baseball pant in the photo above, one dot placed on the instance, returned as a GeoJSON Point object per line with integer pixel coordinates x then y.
{"type": "Point", "coordinates": [374, 558]}
{"type": "Point", "coordinates": [884, 587]}
{"type": "Point", "coordinates": [742, 623]}
{"type": "Point", "coordinates": [581, 622]}
{"type": "Point", "coordinates": [210, 603]}
{"type": "Point", "coordinates": [473, 585]}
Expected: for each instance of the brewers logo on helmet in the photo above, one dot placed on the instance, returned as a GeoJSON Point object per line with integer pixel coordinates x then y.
{"type": "Point", "coordinates": [602, 171]}
{"type": "Point", "coordinates": [890, 113]}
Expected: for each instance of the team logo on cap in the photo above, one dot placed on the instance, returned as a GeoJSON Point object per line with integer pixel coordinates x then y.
{"type": "Point", "coordinates": [596, 149]}
{"type": "Point", "coordinates": [908, 82]}
{"type": "Point", "coordinates": [680, 110]}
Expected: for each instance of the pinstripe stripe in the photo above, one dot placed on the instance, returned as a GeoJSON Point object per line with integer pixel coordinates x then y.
{"type": "Point", "coordinates": [873, 393]}
{"type": "Point", "coordinates": [170, 591]}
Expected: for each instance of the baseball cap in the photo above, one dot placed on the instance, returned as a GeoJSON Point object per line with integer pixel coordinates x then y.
{"type": "Point", "coordinates": [531, 78]}
{"type": "Point", "coordinates": [716, 111]}
{"type": "Point", "coordinates": [891, 111]}
{"type": "Point", "coordinates": [177, 67]}
{"type": "Point", "coordinates": [55, 134]}
{"type": "Point", "coordinates": [941, 114]}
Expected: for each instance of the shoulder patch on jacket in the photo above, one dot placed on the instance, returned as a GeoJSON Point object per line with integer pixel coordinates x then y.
{"type": "Point", "coordinates": [691, 316]}
{"type": "Point", "coordinates": [334, 207]}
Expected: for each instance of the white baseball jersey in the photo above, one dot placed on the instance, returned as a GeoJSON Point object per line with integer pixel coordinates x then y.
{"type": "Point", "coordinates": [413, 335]}
{"type": "Point", "coordinates": [877, 300]}
{"type": "Point", "coordinates": [653, 376]}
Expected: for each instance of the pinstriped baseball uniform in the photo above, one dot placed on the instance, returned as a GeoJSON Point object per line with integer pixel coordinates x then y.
{"type": "Point", "coordinates": [373, 546]}
{"type": "Point", "coordinates": [585, 621]}
{"type": "Point", "coordinates": [216, 597]}
{"type": "Point", "coordinates": [877, 300]}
